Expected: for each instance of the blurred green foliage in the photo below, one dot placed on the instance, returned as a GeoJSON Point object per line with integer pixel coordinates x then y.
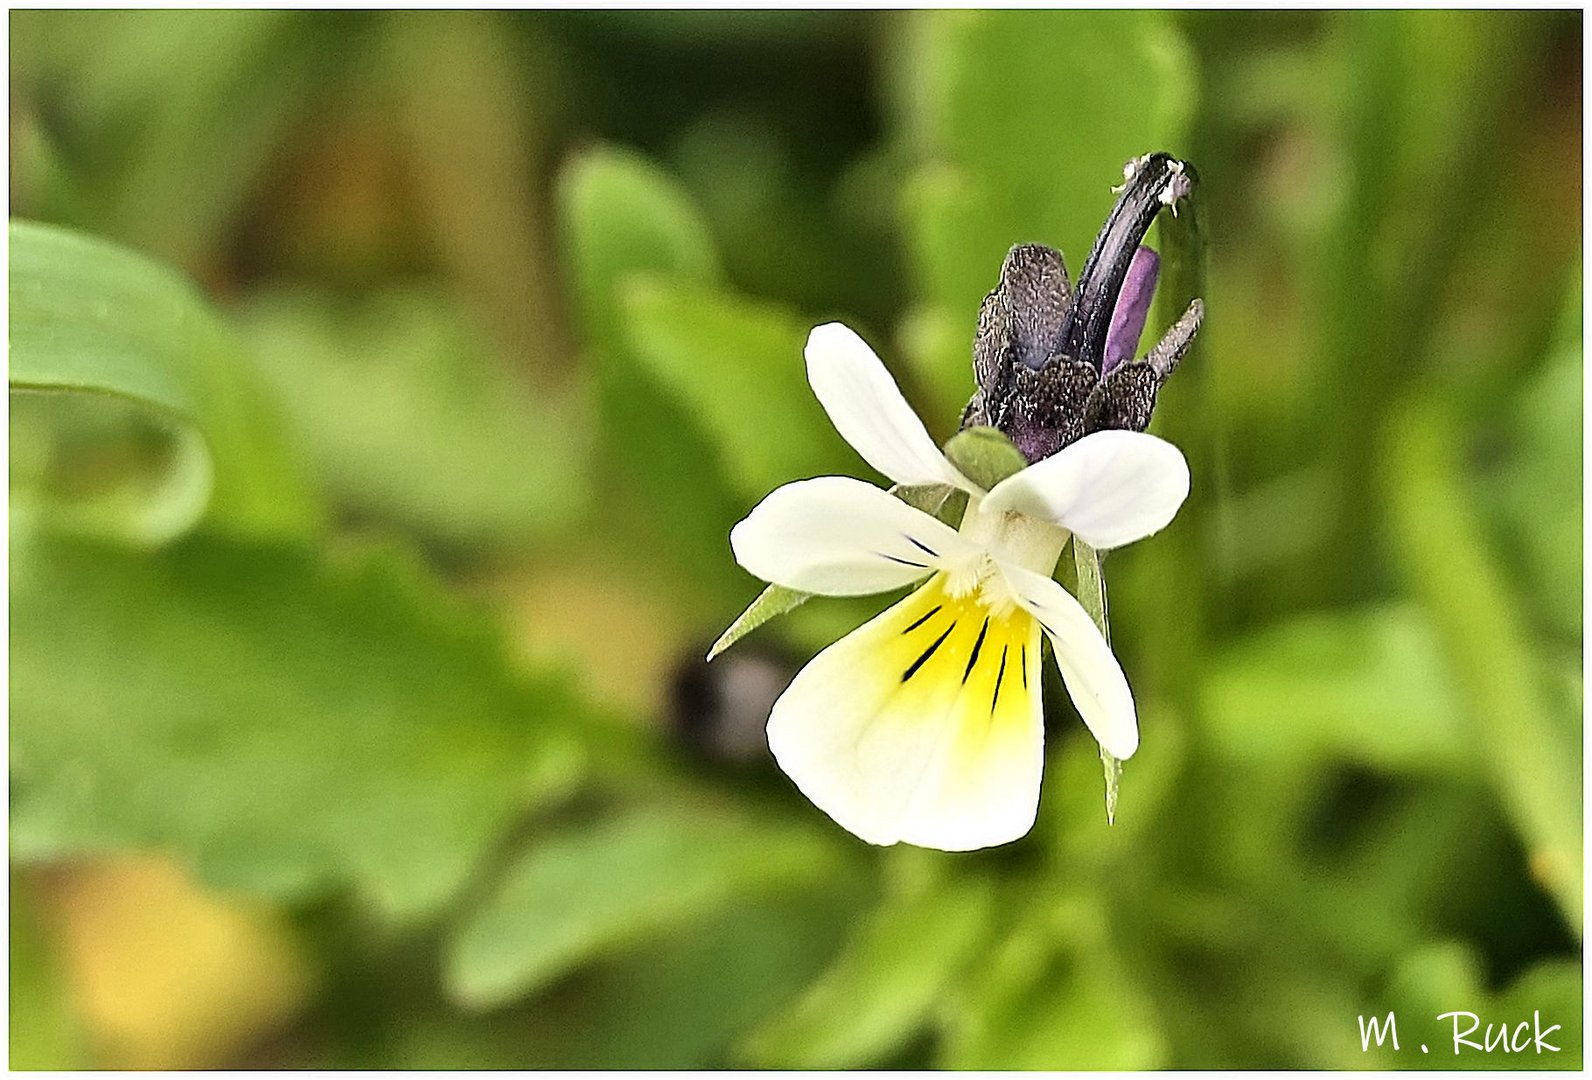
{"type": "Point", "coordinates": [499, 317]}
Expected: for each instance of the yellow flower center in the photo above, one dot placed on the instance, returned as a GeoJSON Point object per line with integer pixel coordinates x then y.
{"type": "Point", "coordinates": [945, 638]}
{"type": "Point", "coordinates": [1024, 541]}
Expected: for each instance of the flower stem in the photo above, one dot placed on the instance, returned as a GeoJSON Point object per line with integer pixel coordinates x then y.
{"type": "Point", "coordinates": [1092, 595]}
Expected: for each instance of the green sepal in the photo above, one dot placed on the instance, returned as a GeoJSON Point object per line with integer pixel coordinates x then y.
{"type": "Point", "coordinates": [984, 455]}
{"type": "Point", "coordinates": [1092, 595]}
{"type": "Point", "coordinates": [942, 501]}
{"type": "Point", "coordinates": [772, 602]}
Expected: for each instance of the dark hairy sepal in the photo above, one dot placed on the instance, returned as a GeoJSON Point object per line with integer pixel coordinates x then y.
{"type": "Point", "coordinates": [1039, 349]}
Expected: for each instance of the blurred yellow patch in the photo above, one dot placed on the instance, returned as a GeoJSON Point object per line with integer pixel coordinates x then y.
{"type": "Point", "coordinates": [620, 635]}
{"type": "Point", "coordinates": [164, 974]}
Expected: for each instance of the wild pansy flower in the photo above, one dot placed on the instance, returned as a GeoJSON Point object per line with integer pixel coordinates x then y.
{"type": "Point", "coordinates": [925, 725]}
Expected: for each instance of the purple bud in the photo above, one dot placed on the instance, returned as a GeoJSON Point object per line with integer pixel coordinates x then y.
{"type": "Point", "coordinates": [1133, 308]}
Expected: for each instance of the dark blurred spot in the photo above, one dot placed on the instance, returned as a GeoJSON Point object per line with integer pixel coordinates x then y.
{"type": "Point", "coordinates": [1354, 800]}
{"type": "Point", "coordinates": [719, 710]}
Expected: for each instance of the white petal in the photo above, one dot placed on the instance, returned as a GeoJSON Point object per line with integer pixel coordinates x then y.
{"type": "Point", "coordinates": [1094, 678]}
{"type": "Point", "coordinates": [838, 536]}
{"type": "Point", "coordinates": [866, 407]}
{"type": "Point", "coordinates": [913, 729]}
{"type": "Point", "coordinates": [1111, 488]}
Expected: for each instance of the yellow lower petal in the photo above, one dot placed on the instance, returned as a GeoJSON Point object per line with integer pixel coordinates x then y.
{"type": "Point", "coordinates": [923, 725]}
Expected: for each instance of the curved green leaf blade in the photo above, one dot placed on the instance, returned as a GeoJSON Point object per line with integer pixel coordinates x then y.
{"type": "Point", "coordinates": [103, 465]}
{"type": "Point", "coordinates": [90, 318]}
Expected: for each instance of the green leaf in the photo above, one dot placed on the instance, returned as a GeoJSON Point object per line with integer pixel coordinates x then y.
{"type": "Point", "coordinates": [1415, 151]}
{"type": "Point", "coordinates": [1054, 995]}
{"type": "Point", "coordinates": [1370, 686]}
{"type": "Point", "coordinates": [1538, 493]}
{"type": "Point", "coordinates": [1433, 974]}
{"type": "Point", "coordinates": [679, 1002]}
{"type": "Point", "coordinates": [1531, 750]}
{"type": "Point", "coordinates": [620, 216]}
{"type": "Point", "coordinates": [1037, 109]}
{"type": "Point", "coordinates": [886, 983]}
{"type": "Point", "coordinates": [132, 93]}
{"type": "Point", "coordinates": [287, 724]}
{"type": "Point", "coordinates": [1555, 988]}
{"type": "Point", "coordinates": [1442, 977]}
{"type": "Point", "coordinates": [90, 321]}
{"type": "Point", "coordinates": [984, 455]}
{"type": "Point", "coordinates": [737, 367]}
{"type": "Point", "coordinates": [781, 224]}
{"type": "Point", "coordinates": [97, 465]}
{"type": "Point", "coordinates": [674, 1002]}
{"type": "Point", "coordinates": [407, 412]}
{"type": "Point", "coordinates": [771, 603]}
{"type": "Point", "coordinates": [598, 890]}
